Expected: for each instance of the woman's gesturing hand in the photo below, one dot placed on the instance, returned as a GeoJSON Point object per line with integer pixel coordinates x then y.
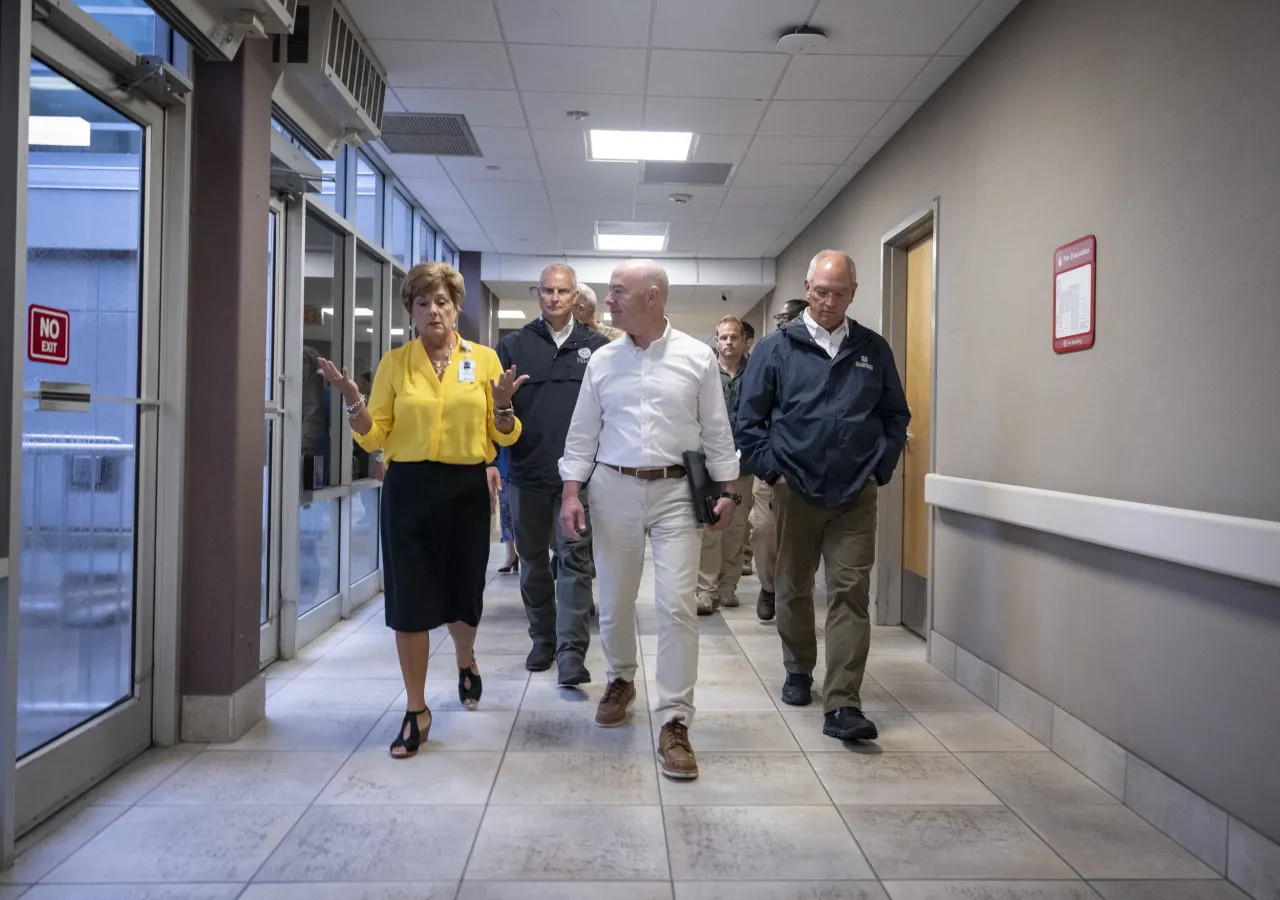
{"type": "Point", "coordinates": [506, 385]}
{"type": "Point", "coordinates": [339, 379]}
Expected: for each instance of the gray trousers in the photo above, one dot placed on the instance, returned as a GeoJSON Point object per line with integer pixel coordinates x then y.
{"type": "Point", "coordinates": [555, 572]}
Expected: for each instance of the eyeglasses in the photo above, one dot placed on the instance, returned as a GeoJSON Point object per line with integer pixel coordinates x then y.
{"type": "Point", "coordinates": [552, 292]}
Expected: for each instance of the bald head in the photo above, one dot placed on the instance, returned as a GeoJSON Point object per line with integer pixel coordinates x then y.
{"type": "Point", "coordinates": [637, 299]}
{"type": "Point", "coordinates": [830, 285]}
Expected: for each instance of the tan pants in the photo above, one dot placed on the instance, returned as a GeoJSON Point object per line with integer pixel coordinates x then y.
{"type": "Point", "coordinates": [844, 539]}
{"type": "Point", "coordinates": [720, 567]}
{"type": "Point", "coordinates": [764, 534]}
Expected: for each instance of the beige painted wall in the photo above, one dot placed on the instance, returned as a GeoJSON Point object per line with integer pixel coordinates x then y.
{"type": "Point", "coordinates": [1155, 125]}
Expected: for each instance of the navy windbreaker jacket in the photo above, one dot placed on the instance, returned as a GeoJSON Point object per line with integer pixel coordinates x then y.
{"type": "Point", "coordinates": [826, 424]}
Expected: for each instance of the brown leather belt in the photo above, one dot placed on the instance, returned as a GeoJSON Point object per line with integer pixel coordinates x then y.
{"type": "Point", "coordinates": [652, 474]}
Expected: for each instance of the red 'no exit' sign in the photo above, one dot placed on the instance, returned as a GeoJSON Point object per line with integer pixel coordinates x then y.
{"type": "Point", "coordinates": [48, 335]}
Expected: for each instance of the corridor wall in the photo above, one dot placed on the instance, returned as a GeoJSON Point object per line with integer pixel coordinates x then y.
{"type": "Point", "coordinates": [1154, 125]}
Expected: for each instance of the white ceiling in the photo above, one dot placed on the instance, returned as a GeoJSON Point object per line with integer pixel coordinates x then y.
{"type": "Point", "coordinates": [796, 128]}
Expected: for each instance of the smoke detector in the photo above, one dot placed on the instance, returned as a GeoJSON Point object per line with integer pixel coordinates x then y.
{"type": "Point", "coordinates": [681, 198]}
{"type": "Point", "coordinates": [802, 40]}
{"type": "Point", "coordinates": [577, 114]}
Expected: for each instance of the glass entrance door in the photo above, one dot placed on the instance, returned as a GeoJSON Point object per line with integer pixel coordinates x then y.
{"type": "Point", "coordinates": [88, 494]}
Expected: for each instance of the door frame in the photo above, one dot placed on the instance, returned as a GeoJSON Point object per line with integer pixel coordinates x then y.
{"type": "Point", "coordinates": [46, 779]}
{"type": "Point", "coordinates": [274, 413]}
{"type": "Point", "coordinates": [893, 326]}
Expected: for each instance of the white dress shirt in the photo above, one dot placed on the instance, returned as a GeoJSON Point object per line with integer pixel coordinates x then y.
{"type": "Point", "coordinates": [829, 341]}
{"type": "Point", "coordinates": [645, 408]}
{"type": "Point", "coordinates": [561, 336]}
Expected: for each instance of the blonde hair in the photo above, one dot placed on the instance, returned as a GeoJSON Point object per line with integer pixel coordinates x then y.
{"type": "Point", "coordinates": [426, 278]}
{"type": "Point", "coordinates": [731, 320]}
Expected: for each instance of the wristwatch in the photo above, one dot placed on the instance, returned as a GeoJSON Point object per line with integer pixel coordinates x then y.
{"type": "Point", "coordinates": [736, 498]}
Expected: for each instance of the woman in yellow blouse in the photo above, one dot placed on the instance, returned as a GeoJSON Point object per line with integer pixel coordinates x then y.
{"type": "Point", "coordinates": [438, 406]}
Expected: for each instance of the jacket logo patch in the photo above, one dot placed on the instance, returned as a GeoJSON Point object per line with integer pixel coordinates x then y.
{"type": "Point", "coordinates": [584, 353]}
{"type": "Point", "coordinates": [863, 364]}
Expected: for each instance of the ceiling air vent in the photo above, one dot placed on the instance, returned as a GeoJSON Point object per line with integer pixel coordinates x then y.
{"type": "Point", "coordinates": [703, 173]}
{"type": "Point", "coordinates": [431, 133]}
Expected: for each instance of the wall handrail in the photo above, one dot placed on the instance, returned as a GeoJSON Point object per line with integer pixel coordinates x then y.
{"type": "Point", "coordinates": [1228, 545]}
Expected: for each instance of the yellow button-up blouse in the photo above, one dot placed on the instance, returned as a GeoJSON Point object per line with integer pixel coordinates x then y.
{"type": "Point", "coordinates": [418, 417]}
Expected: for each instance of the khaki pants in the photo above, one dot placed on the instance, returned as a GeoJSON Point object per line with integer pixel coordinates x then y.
{"type": "Point", "coordinates": [764, 534]}
{"type": "Point", "coordinates": [844, 539]}
{"type": "Point", "coordinates": [720, 568]}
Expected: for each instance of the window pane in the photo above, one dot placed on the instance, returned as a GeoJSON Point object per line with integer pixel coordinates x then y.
{"type": "Point", "coordinates": [317, 553]}
{"type": "Point", "coordinates": [426, 242]}
{"type": "Point", "coordinates": [266, 521]}
{"type": "Point", "coordinates": [130, 20]}
{"type": "Point", "coordinates": [271, 304]}
{"type": "Point", "coordinates": [368, 317]}
{"type": "Point", "coordinates": [79, 471]}
{"type": "Point", "coordinates": [400, 326]}
{"type": "Point", "coordinates": [401, 228]}
{"type": "Point", "coordinates": [321, 337]}
{"type": "Point", "coordinates": [364, 534]}
{"type": "Point", "coordinates": [368, 199]}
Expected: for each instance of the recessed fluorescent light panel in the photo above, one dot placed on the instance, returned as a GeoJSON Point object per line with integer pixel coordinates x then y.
{"type": "Point", "coordinates": [57, 131]}
{"type": "Point", "coordinates": [667, 146]}
{"type": "Point", "coordinates": [510, 314]}
{"type": "Point", "coordinates": [632, 237]}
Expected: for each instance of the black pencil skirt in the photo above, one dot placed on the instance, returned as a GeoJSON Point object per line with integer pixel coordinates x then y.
{"type": "Point", "coordinates": [435, 544]}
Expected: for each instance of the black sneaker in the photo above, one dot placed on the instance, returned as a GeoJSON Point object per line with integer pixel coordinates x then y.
{"type": "Point", "coordinates": [572, 671]}
{"type": "Point", "coordinates": [765, 605]}
{"type": "Point", "coordinates": [848, 724]}
{"type": "Point", "coordinates": [797, 691]}
{"type": "Point", "coordinates": [540, 657]}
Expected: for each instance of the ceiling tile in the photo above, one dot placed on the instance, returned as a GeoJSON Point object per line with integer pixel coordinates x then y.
{"type": "Point", "coordinates": [701, 73]}
{"type": "Point", "coordinates": [727, 148]}
{"type": "Point", "coordinates": [392, 103]}
{"type": "Point", "coordinates": [895, 118]}
{"type": "Point", "coordinates": [616, 111]}
{"type": "Point", "coordinates": [849, 77]}
{"type": "Point", "coordinates": [890, 27]}
{"type": "Point", "coordinates": [726, 24]}
{"type": "Point", "coordinates": [719, 232]}
{"type": "Point", "coordinates": [413, 20]}
{"type": "Point", "coordinates": [484, 108]}
{"type": "Point", "coordinates": [660, 195]}
{"type": "Point", "coordinates": [689, 213]}
{"type": "Point", "coordinates": [504, 143]}
{"type": "Point", "coordinates": [939, 69]}
{"type": "Point", "coordinates": [703, 116]}
{"type": "Point", "coordinates": [769, 197]}
{"type": "Point", "coordinates": [570, 69]}
{"type": "Point", "coordinates": [979, 25]}
{"type": "Point", "coordinates": [498, 227]}
{"type": "Point", "coordinates": [545, 246]}
{"type": "Point", "coordinates": [842, 177]}
{"type": "Point", "coordinates": [437, 64]}
{"type": "Point", "coordinates": [477, 168]}
{"type": "Point", "coordinates": [851, 118]}
{"type": "Point", "coordinates": [755, 215]}
{"type": "Point", "coordinates": [560, 144]}
{"type": "Point", "coordinates": [800, 151]}
{"type": "Point", "coordinates": [687, 236]}
{"type": "Point", "coordinates": [506, 199]}
{"type": "Point", "coordinates": [416, 166]}
{"type": "Point", "coordinates": [591, 173]}
{"type": "Point", "coordinates": [868, 148]}
{"type": "Point", "coordinates": [584, 23]}
{"type": "Point", "coordinates": [752, 174]}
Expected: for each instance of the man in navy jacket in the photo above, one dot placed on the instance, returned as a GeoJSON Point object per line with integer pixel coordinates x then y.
{"type": "Point", "coordinates": [553, 351]}
{"type": "Point", "coordinates": [822, 417]}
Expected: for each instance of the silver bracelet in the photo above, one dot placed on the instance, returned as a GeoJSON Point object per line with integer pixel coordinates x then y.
{"type": "Point", "coordinates": [352, 409]}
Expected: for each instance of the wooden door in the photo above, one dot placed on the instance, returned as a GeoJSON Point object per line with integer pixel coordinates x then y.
{"type": "Point", "coordinates": [918, 383]}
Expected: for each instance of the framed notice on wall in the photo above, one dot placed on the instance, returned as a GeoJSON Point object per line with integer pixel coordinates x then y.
{"type": "Point", "coordinates": [1074, 298]}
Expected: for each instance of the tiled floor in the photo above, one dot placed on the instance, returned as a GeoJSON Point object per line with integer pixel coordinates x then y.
{"type": "Point", "coordinates": [526, 798]}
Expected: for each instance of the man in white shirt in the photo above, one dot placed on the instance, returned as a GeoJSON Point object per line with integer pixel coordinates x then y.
{"type": "Point", "coordinates": [647, 399]}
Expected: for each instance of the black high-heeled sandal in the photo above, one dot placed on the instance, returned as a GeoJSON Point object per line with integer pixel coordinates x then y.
{"type": "Point", "coordinates": [415, 738]}
{"type": "Point", "coordinates": [469, 695]}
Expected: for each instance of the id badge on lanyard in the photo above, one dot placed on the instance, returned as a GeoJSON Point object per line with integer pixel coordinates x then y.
{"type": "Point", "coordinates": [467, 371]}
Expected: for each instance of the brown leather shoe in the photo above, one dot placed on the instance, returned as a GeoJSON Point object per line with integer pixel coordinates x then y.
{"type": "Point", "coordinates": [612, 710]}
{"type": "Point", "coordinates": [675, 754]}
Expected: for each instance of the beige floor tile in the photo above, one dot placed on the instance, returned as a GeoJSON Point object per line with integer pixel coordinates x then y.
{"type": "Point", "coordinates": [375, 843]}
{"type": "Point", "coordinates": [576, 730]}
{"type": "Point", "coordinates": [774, 890]}
{"type": "Point", "coordinates": [317, 730]}
{"type": "Point", "coordinates": [461, 731]}
{"type": "Point", "coordinates": [739, 731]}
{"type": "Point", "coordinates": [1112, 842]}
{"type": "Point", "coordinates": [418, 890]}
{"type": "Point", "coordinates": [978, 731]}
{"type": "Point", "coordinates": [135, 780]}
{"type": "Point", "coordinates": [571, 778]}
{"type": "Point", "coordinates": [785, 843]}
{"type": "Point", "coordinates": [934, 696]}
{"type": "Point", "coordinates": [432, 777]}
{"type": "Point", "coordinates": [132, 892]}
{"type": "Point", "coordinates": [748, 779]}
{"type": "Point", "coordinates": [956, 842]}
{"type": "Point", "coordinates": [570, 843]}
{"type": "Point", "coordinates": [1168, 890]}
{"type": "Point", "coordinates": [1034, 779]}
{"type": "Point", "coordinates": [158, 843]}
{"type": "Point", "coordinates": [564, 890]}
{"type": "Point", "coordinates": [899, 732]}
{"type": "Point", "coordinates": [989, 890]}
{"type": "Point", "coordinates": [40, 851]}
{"type": "Point", "coordinates": [248, 777]}
{"type": "Point", "coordinates": [900, 779]}
{"type": "Point", "coordinates": [335, 694]}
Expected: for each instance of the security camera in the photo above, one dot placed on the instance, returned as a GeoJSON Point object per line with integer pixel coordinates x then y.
{"type": "Point", "coordinates": [724, 298]}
